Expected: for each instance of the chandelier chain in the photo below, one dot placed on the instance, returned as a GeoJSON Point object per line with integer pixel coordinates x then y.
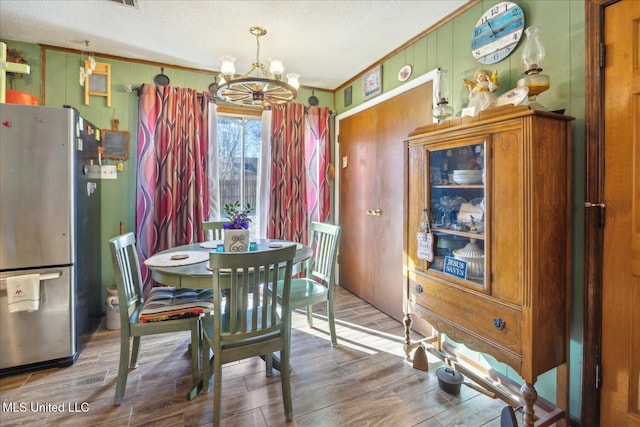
{"type": "Point", "coordinates": [258, 49]}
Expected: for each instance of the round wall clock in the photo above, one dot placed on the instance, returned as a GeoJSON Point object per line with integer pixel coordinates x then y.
{"type": "Point", "coordinates": [497, 33]}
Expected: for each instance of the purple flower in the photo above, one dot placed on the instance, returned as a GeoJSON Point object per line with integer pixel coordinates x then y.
{"type": "Point", "coordinates": [238, 216]}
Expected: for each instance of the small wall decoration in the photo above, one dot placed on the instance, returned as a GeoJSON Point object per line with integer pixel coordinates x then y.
{"type": "Point", "coordinates": [348, 92]}
{"type": "Point", "coordinates": [372, 82]}
{"type": "Point", "coordinates": [98, 81]}
{"type": "Point", "coordinates": [404, 73]}
{"type": "Point", "coordinates": [11, 64]}
{"type": "Point", "coordinates": [115, 144]}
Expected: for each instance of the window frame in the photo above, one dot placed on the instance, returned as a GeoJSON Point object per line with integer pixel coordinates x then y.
{"type": "Point", "coordinates": [244, 114]}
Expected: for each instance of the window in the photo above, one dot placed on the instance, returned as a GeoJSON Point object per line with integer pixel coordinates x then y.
{"type": "Point", "coordinates": [239, 147]}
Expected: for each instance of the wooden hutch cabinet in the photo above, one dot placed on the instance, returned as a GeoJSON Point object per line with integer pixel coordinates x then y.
{"type": "Point", "coordinates": [496, 189]}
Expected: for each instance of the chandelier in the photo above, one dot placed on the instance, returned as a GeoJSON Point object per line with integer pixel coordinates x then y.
{"type": "Point", "coordinates": [258, 87]}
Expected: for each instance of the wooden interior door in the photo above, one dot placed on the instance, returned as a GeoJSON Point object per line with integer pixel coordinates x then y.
{"type": "Point", "coordinates": [370, 257]}
{"type": "Point", "coordinates": [620, 395]}
{"type": "Point", "coordinates": [357, 197]}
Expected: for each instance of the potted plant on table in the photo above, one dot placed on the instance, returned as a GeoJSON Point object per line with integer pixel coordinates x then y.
{"type": "Point", "coordinates": [236, 230]}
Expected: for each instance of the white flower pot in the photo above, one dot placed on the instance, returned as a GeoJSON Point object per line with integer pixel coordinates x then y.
{"type": "Point", "coordinates": [236, 240]}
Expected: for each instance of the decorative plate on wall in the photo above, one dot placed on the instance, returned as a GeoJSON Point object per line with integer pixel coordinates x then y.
{"type": "Point", "coordinates": [404, 73]}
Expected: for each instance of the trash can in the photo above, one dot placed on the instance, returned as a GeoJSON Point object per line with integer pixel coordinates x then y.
{"type": "Point", "coordinates": [113, 308]}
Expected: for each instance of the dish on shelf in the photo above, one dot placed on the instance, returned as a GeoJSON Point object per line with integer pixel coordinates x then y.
{"type": "Point", "coordinates": [474, 256]}
{"type": "Point", "coordinates": [472, 176]}
{"type": "Point", "coordinates": [467, 179]}
{"type": "Point", "coordinates": [467, 172]}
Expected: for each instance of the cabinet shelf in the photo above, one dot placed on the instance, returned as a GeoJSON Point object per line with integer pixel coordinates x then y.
{"type": "Point", "coordinates": [479, 236]}
{"type": "Point", "coordinates": [460, 186]}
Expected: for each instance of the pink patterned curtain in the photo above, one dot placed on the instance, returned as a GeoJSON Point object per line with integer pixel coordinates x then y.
{"type": "Point", "coordinates": [317, 159]}
{"type": "Point", "coordinates": [172, 187]}
{"type": "Point", "coordinates": [288, 202]}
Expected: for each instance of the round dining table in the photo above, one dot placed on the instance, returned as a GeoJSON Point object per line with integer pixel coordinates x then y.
{"type": "Point", "coordinates": [186, 266]}
{"type": "Point", "coordinates": [194, 272]}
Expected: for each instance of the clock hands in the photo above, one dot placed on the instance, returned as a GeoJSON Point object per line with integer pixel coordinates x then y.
{"type": "Point", "coordinates": [491, 28]}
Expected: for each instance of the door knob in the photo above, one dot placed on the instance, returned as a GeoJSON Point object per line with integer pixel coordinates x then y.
{"type": "Point", "coordinates": [377, 212]}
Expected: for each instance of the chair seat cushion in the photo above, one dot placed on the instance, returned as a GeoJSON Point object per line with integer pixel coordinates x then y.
{"type": "Point", "coordinates": [168, 303]}
{"type": "Point", "coordinates": [305, 288]}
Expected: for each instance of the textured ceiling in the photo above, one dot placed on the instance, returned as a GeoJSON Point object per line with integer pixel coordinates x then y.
{"type": "Point", "coordinates": [326, 42]}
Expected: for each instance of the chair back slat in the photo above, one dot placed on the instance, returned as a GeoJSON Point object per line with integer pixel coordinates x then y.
{"type": "Point", "coordinates": [213, 230]}
{"type": "Point", "coordinates": [126, 267]}
{"type": "Point", "coordinates": [251, 309]}
{"type": "Point", "coordinates": [324, 242]}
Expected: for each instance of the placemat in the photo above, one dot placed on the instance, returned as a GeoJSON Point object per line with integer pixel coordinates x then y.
{"type": "Point", "coordinates": [277, 245]}
{"type": "Point", "coordinates": [211, 244]}
{"type": "Point", "coordinates": [175, 259]}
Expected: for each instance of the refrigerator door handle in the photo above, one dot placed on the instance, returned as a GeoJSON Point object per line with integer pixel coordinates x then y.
{"type": "Point", "coordinates": [46, 276]}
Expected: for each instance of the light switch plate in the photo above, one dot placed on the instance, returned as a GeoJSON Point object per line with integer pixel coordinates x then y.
{"type": "Point", "coordinates": [102, 172]}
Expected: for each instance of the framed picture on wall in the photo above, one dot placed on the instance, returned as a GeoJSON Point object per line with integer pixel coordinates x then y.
{"type": "Point", "coordinates": [372, 82]}
{"type": "Point", "coordinates": [348, 92]}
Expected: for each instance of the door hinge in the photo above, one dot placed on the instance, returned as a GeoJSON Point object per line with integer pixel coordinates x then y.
{"type": "Point", "coordinates": [601, 53]}
{"type": "Point", "coordinates": [597, 205]}
{"type": "Point", "coordinates": [598, 377]}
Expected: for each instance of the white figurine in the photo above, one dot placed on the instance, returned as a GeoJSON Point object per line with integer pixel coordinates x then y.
{"type": "Point", "coordinates": [481, 91]}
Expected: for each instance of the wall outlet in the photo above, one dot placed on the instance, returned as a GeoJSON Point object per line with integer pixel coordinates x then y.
{"type": "Point", "coordinates": [102, 172]}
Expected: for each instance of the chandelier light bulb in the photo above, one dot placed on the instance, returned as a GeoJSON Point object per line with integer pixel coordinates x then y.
{"type": "Point", "coordinates": [292, 79]}
{"type": "Point", "coordinates": [228, 68]}
{"type": "Point", "coordinates": [276, 68]}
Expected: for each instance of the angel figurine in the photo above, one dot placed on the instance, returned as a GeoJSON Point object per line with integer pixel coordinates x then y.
{"type": "Point", "coordinates": [481, 90]}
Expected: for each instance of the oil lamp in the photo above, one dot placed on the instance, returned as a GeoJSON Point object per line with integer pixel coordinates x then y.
{"type": "Point", "coordinates": [441, 108]}
{"type": "Point", "coordinates": [532, 57]}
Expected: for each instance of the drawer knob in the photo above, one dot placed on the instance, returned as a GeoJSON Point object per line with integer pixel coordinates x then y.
{"type": "Point", "coordinates": [499, 323]}
{"type": "Point", "coordinates": [419, 289]}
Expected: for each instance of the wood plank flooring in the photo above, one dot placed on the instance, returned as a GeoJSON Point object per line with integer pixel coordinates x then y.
{"type": "Point", "coordinates": [364, 381]}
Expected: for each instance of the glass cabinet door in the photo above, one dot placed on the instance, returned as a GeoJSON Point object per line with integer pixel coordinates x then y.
{"type": "Point", "coordinates": [457, 208]}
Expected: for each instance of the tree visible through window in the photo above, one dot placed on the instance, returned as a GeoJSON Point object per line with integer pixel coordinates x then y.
{"type": "Point", "coordinates": [239, 146]}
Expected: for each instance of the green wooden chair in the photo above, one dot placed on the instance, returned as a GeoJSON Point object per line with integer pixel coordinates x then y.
{"type": "Point", "coordinates": [317, 286]}
{"type": "Point", "coordinates": [165, 310]}
{"type": "Point", "coordinates": [251, 326]}
{"type": "Point", "coordinates": [216, 228]}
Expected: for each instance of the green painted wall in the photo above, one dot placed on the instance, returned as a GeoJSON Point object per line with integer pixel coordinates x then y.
{"type": "Point", "coordinates": [448, 47]}
{"type": "Point", "coordinates": [62, 87]}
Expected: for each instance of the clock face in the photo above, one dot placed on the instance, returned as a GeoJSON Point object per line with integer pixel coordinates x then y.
{"type": "Point", "coordinates": [497, 33]}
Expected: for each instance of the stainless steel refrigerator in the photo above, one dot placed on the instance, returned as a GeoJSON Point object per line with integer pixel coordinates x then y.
{"type": "Point", "coordinates": [49, 225]}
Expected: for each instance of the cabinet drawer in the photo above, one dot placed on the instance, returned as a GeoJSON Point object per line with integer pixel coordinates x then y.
{"type": "Point", "coordinates": [469, 311]}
